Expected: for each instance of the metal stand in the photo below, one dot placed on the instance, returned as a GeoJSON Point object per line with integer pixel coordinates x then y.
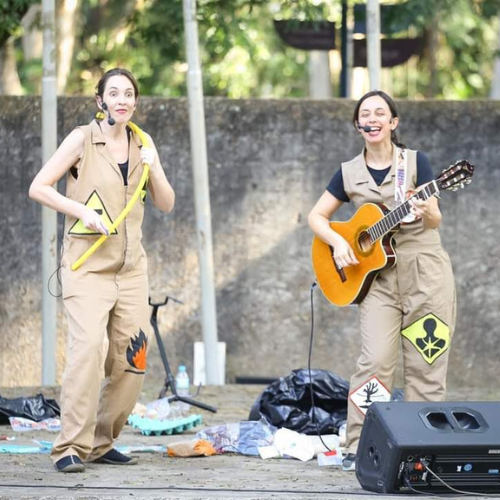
{"type": "Point", "coordinates": [170, 380]}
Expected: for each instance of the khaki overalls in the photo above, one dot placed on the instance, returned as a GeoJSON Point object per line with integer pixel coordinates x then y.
{"type": "Point", "coordinates": [412, 304]}
{"type": "Point", "coordinates": [107, 297]}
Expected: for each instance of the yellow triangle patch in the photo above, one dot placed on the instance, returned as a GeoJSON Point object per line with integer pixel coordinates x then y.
{"type": "Point", "coordinates": [430, 336]}
{"type": "Point", "coordinates": [96, 204]}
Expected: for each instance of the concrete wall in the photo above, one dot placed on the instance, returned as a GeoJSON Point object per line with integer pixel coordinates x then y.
{"type": "Point", "coordinates": [269, 162]}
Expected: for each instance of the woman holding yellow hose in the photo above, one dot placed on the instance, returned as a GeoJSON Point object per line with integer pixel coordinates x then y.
{"type": "Point", "coordinates": [110, 166]}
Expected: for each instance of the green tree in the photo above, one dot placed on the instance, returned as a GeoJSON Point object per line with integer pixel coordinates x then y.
{"type": "Point", "coordinates": [11, 15]}
{"type": "Point", "coordinates": [242, 55]}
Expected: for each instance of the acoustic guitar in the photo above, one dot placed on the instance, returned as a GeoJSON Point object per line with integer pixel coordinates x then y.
{"type": "Point", "coordinates": [370, 233]}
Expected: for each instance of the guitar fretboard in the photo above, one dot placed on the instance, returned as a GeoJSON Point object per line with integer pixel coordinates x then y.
{"type": "Point", "coordinates": [395, 216]}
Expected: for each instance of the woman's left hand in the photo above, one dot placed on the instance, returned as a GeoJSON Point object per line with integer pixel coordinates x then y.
{"type": "Point", "coordinates": [148, 155]}
{"type": "Point", "coordinates": [421, 209]}
{"type": "Point", "coordinates": [427, 210]}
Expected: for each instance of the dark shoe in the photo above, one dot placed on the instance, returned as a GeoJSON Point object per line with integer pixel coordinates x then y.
{"type": "Point", "coordinates": [114, 457]}
{"type": "Point", "coordinates": [349, 462]}
{"type": "Point", "coordinates": [70, 463]}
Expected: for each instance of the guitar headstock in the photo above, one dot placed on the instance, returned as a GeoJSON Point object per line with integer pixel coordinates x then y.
{"type": "Point", "coordinates": [456, 176]}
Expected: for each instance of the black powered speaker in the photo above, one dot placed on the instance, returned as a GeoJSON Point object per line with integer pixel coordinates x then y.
{"type": "Point", "coordinates": [411, 446]}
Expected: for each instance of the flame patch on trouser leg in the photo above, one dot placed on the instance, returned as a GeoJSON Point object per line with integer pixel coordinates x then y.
{"type": "Point", "coordinates": [430, 336]}
{"type": "Point", "coordinates": [136, 353]}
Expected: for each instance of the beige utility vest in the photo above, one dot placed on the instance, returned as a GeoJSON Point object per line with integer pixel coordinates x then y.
{"type": "Point", "coordinates": [361, 188]}
{"type": "Point", "coordinates": [98, 182]}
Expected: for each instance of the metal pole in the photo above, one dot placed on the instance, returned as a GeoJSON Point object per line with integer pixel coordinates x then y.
{"type": "Point", "coordinates": [495, 85]}
{"type": "Point", "coordinates": [373, 43]}
{"type": "Point", "coordinates": [320, 86]}
{"type": "Point", "coordinates": [201, 192]}
{"type": "Point", "coordinates": [49, 216]}
{"type": "Point", "coordinates": [343, 51]}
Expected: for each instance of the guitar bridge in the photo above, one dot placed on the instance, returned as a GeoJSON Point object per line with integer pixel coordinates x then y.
{"type": "Point", "coordinates": [339, 269]}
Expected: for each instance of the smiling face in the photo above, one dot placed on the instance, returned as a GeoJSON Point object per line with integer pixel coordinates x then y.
{"type": "Point", "coordinates": [120, 97]}
{"type": "Point", "coordinates": [375, 112]}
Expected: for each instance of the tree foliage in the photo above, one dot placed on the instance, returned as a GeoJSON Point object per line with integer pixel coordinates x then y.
{"type": "Point", "coordinates": [11, 15]}
{"type": "Point", "coordinates": [241, 54]}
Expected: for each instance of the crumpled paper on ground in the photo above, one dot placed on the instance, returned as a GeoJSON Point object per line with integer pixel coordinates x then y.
{"type": "Point", "coordinates": [288, 443]}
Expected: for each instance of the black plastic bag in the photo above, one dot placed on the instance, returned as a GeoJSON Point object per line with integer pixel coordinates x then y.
{"type": "Point", "coordinates": [287, 402]}
{"type": "Point", "coordinates": [35, 408]}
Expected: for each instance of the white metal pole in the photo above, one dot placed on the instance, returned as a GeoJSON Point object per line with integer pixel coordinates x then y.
{"type": "Point", "coordinates": [373, 51]}
{"type": "Point", "coordinates": [495, 85]}
{"type": "Point", "coordinates": [320, 86]}
{"type": "Point", "coordinates": [49, 216]}
{"type": "Point", "coordinates": [349, 50]}
{"type": "Point", "coordinates": [202, 193]}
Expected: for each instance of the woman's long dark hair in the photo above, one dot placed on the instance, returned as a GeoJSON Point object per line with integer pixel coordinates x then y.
{"type": "Point", "coordinates": [392, 108]}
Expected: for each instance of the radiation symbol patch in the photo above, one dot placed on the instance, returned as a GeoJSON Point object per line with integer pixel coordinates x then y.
{"type": "Point", "coordinates": [369, 392]}
{"type": "Point", "coordinates": [96, 204]}
{"type": "Point", "coordinates": [136, 353]}
{"type": "Point", "coordinates": [430, 336]}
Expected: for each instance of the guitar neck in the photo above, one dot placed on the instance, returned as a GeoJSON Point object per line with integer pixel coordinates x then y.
{"type": "Point", "coordinates": [395, 216]}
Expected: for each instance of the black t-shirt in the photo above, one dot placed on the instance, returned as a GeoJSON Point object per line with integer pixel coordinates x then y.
{"type": "Point", "coordinates": [124, 170]}
{"type": "Point", "coordinates": [124, 166]}
{"type": "Point", "coordinates": [424, 175]}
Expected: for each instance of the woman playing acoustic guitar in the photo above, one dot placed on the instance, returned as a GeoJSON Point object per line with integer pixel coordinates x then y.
{"type": "Point", "coordinates": [412, 302]}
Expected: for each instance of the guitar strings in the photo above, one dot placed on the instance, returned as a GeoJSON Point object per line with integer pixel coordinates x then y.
{"type": "Point", "coordinates": [380, 228]}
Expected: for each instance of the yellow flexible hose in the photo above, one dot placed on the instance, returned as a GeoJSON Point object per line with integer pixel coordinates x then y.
{"type": "Point", "coordinates": [126, 210]}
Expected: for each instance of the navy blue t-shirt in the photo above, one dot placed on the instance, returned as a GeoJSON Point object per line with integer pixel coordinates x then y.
{"type": "Point", "coordinates": [424, 175]}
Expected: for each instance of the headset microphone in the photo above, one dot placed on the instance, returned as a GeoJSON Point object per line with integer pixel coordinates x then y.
{"type": "Point", "coordinates": [111, 120]}
{"type": "Point", "coordinates": [365, 128]}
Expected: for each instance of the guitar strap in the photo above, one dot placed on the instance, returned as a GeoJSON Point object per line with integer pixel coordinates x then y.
{"type": "Point", "coordinates": [400, 184]}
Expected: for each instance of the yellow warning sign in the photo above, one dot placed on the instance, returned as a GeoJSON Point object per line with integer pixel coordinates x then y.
{"type": "Point", "coordinates": [430, 336]}
{"type": "Point", "coordinates": [96, 204]}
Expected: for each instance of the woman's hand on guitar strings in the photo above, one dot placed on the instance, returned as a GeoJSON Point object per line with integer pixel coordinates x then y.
{"type": "Point", "coordinates": [343, 254]}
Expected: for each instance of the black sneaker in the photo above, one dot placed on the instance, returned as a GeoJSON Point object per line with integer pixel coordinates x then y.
{"type": "Point", "coordinates": [114, 457]}
{"type": "Point", "coordinates": [70, 463]}
{"type": "Point", "coordinates": [349, 462]}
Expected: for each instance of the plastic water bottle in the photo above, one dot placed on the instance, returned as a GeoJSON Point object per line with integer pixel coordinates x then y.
{"type": "Point", "coordinates": [182, 386]}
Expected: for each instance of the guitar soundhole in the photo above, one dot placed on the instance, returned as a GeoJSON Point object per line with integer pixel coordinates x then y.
{"type": "Point", "coordinates": [364, 241]}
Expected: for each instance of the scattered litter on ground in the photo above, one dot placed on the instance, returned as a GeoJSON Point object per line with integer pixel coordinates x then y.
{"type": "Point", "coordinates": [286, 403]}
{"type": "Point", "coordinates": [35, 408]}
{"type": "Point", "coordinates": [46, 446]}
{"type": "Point", "coordinates": [193, 448]}
{"type": "Point", "coordinates": [289, 443]}
{"type": "Point", "coordinates": [154, 427]}
{"type": "Point", "coordinates": [333, 457]}
{"type": "Point", "coordinates": [239, 437]}
{"type": "Point", "coordinates": [38, 447]}
{"type": "Point", "coordinates": [160, 409]}
{"type": "Point", "coordinates": [20, 424]}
